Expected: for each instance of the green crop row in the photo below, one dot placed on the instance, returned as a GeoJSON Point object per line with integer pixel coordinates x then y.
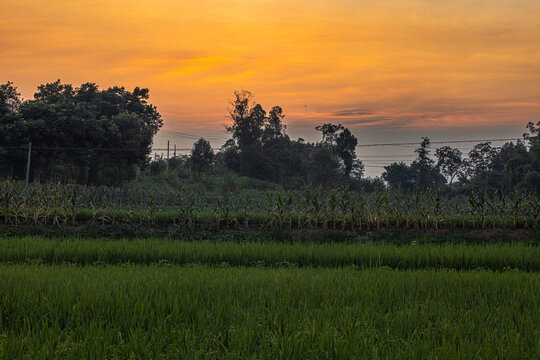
{"type": "Point", "coordinates": [167, 252]}
{"type": "Point", "coordinates": [311, 208]}
{"type": "Point", "coordinates": [158, 312]}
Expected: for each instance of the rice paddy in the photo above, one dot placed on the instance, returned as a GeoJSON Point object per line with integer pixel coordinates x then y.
{"type": "Point", "coordinates": [162, 299]}
{"type": "Point", "coordinates": [132, 311]}
{"type": "Point", "coordinates": [393, 276]}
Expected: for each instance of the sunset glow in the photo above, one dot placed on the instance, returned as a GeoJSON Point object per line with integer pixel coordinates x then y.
{"type": "Point", "coordinates": [374, 66]}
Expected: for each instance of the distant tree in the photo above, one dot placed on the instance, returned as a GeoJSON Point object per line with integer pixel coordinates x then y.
{"type": "Point", "coordinates": [13, 129]}
{"type": "Point", "coordinates": [55, 92]}
{"type": "Point", "coordinates": [343, 144]}
{"type": "Point", "coordinates": [10, 98]}
{"type": "Point", "coordinates": [531, 178]}
{"type": "Point", "coordinates": [229, 156]}
{"type": "Point", "coordinates": [85, 135]}
{"type": "Point", "coordinates": [274, 127]}
{"type": "Point", "coordinates": [426, 174]}
{"type": "Point", "coordinates": [399, 175]}
{"type": "Point", "coordinates": [449, 161]}
{"type": "Point", "coordinates": [481, 158]}
{"type": "Point", "coordinates": [202, 155]}
{"type": "Point", "coordinates": [330, 133]}
{"type": "Point", "coordinates": [346, 149]}
{"type": "Point", "coordinates": [324, 167]}
{"type": "Point", "coordinates": [534, 132]}
{"type": "Point", "coordinates": [247, 119]}
{"type": "Point", "coordinates": [357, 169]}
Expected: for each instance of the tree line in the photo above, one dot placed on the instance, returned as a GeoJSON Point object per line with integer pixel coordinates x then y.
{"type": "Point", "coordinates": [104, 137]}
{"type": "Point", "coordinates": [509, 167]}
{"type": "Point", "coordinates": [259, 147]}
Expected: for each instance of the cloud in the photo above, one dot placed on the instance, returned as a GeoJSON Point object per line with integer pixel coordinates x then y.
{"type": "Point", "coordinates": [352, 112]}
{"type": "Point", "coordinates": [395, 121]}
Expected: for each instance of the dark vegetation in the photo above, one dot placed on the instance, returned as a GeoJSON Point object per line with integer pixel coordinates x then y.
{"type": "Point", "coordinates": [103, 137]}
{"type": "Point", "coordinates": [83, 135]}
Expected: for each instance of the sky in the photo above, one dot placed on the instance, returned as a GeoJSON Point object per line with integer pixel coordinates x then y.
{"type": "Point", "coordinates": [391, 71]}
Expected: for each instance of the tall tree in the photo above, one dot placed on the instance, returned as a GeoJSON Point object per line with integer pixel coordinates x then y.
{"type": "Point", "coordinates": [330, 133]}
{"type": "Point", "coordinates": [481, 158]}
{"type": "Point", "coordinates": [343, 143]}
{"type": "Point", "coordinates": [202, 155]}
{"type": "Point", "coordinates": [426, 174]}
{"type": "Point", "coordinates": [449, 161]}
{"type": "Point", "coordinates": [274, 127]}
{"type": "Point", "coordinates": [346, 149]}
{"type": "Point", "coordinates": [247, 119]}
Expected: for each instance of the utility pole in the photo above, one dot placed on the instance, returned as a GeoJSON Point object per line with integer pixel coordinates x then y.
{"type": "Point", "coordinates": [28, 164]}
{"type": "Point", "coordinates": [167, 155]}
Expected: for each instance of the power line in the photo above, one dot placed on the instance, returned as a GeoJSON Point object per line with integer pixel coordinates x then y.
{"type": "Point", "coordinates": [85, 148]}
{"type": "Point", "coordinates": [438, 142]}
{"type": "Point", "coordinates": [189, 136]}
{"type": "Point", "coordinates": [383, 157]}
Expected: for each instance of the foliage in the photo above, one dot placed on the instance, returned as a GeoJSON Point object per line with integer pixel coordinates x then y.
{"type": "Point", "coordinates": [405, 256]}
{"type": "Point", "coordinates": [260, 148]}
{"type": "Point", "coordinates": [449, 161]}
{"type": "Point", "coordinates": [311, 208]}
{"type": "Point", "coordinates": [399, 176]}
{"type": "Point", "coordinates": [77, 133]}
{"type": "Point", "coordinates": [165, 311]}
{"type": "Point", "coordinates": [202, 156]}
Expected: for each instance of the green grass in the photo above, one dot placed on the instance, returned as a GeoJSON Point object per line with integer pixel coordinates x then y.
{"type": "Point", "coordinates": [146, 251]}
{"type": "Point", "coordinates": [196, 312]}
{"type": "Point", "coordinates": [76, 298]}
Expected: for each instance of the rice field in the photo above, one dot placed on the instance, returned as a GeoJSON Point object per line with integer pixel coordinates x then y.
{"type": "Point", "coordinates": [80, 298]}
{"type": "Point", "coordinates": [258, 291]}
{"type": "Point", "coordinates": [152, 312]}
{"type": "Point", "coordinates": [496, 257]}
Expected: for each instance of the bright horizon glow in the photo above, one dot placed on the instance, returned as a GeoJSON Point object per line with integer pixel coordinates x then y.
{"type": "Point", "coordinates": [390, 71]}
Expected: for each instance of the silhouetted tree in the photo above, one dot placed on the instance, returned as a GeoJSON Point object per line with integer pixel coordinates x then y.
{"type": "Point", "coordinates": [399, 175]}
{"type": "Point", "coordinates": [449, 161]}
{"type": "Point", "coordinates": [343, 143]}
{"type": "Point", "coordinates": [346, 149]}
{"type": "Point", "coordinates": [533, 135]}
{"type": "Point", "coordinates": [202, 155]}
{"type": "Point", "coordinates": [274, 127]}
{"type": "Point", "coordinates": [324, 167]}
{"type": "Point", "coordinates": [330, 133]}
{"type": "Point", "coordinates": [426, 174]}
{"type": "Point", "coordinates": [247, 118]}
{"type": "Point", "coordinates": [481, 158]}
{"type": "Point", "coordinates": [84, 134]}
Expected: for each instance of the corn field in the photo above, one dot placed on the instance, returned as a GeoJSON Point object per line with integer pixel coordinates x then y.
{"type": "Point", "coordinates": [312, 208]}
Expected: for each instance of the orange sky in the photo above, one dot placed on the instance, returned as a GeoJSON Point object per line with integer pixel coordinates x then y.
{"type": "Point", "coordinates": [385, 68]}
